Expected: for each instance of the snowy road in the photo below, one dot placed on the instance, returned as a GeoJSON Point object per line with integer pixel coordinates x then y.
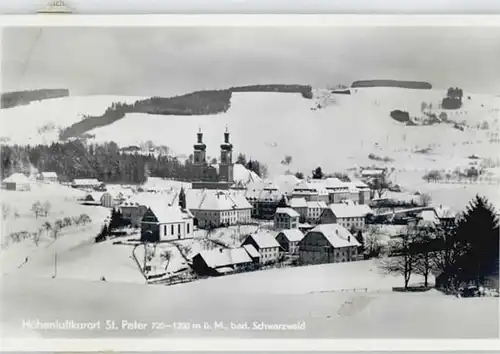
{"type": "Point", "coordinates": [319, 315]}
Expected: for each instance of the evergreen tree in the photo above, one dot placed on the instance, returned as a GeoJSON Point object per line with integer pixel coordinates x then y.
{"type": "Point", "coordinates": [282, 203]}
{"type": "Point", "coordinates": [317, 173]}
{"type": "Point", "coordinates": [478, 234]}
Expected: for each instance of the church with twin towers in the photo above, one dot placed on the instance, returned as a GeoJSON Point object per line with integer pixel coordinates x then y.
{"type": "Point", "coordinates": [205, 176]}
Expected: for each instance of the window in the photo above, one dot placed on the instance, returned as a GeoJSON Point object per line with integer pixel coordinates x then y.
{"type": "Point", "coordinates": [172, 230]}
{"type": "Point", "coordinates": [165, 230]}
{"type": "Point", "coordinates": [187, 228]}
{"type": "Point", "coordinates": [179, 228]}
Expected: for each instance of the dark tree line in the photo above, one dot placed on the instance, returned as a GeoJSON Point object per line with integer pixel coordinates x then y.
{"type": "Point", "coordinates": [74, 159]}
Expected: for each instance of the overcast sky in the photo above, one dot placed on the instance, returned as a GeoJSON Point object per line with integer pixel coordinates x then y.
{"type": "Point", "coordinates": [166, 61]}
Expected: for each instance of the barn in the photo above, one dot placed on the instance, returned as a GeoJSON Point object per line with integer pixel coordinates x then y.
{"type": "Point", "coordinates": [17, 182]}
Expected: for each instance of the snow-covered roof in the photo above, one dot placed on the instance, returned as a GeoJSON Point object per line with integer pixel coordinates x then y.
{"type": "Point", "coordinates": [144, 199]}
{"type": "Point", "coordinates": [263, 192]}
{"type": "Point", "coordinates": [288, 211]}
{"type": "Point", "coordinates": [96, 196]}
{"type": "Point", "coordinates": [444, 212]}
{"type": "Point", "coordinates": [344, 210]}
{"type": "Point", "coordinates": [17, 178]}
{"type": "Point", "coordinates": [222, 257]}
{"type": "Point", "coordinates": [48, 174]}
{"type": "Point", "coordinates": [336, 235]}
{"type": "Point", "coordinates": [311, 186]}
{"type": "Point", "coordinates": [292, 235]}
{"type": "Point", "coordinates": [244, 176]}
{"type": "Point", "coordinates": [298, 203]}
{"type": "Point", "coordinates": [251, 251]}
{"type": "Point", "coordinates": [370, 172]}
{"type": "Point", "coordinates": [313, 204]}
{"type": "Point", "coordinates": [86, 181]}
{"type": "Point", "coordinates": [265, 239]}
{"type": "Point", "coordinates": [333, 182]}
{"type": "Point", "coordinates": [169, 214]}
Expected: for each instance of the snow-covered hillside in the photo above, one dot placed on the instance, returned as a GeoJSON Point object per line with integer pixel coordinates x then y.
{"type": "Point", "coordinates": [39, 122]}
{"type": "Point", "coordinates": [270, 126]}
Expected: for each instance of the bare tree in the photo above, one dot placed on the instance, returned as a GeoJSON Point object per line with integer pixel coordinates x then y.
{"type": "Point", "coordinates": [36, 208]}
{"type": "Point", "coordinates": [67, 221]}
{"type": "Point", "coordinates": [46, 208]}
{"type": "Point", "coordinates": [47, 226]}
{"type": "Point", "coordinates": [166, 256]}
{"type": "Point", "coordinates": [372, 243]}
{"type": "Point", "coordinates": [401, 259]}
{"type": "Point", "coordinates": [5, 211]}
{"type": "Point", "coordinates": [56, 230]}
{"type": "Point", "coordinates": [36, 236]}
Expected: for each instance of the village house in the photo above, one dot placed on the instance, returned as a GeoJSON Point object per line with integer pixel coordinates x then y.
{"type": "Point", "coordinates": [372, 173]}
{"type": "Point", "coordinates": [264, 198]}
{"type": "Point", "coordinates": [253, 253]}
{"type": "Point", "coordinates": [92, 198]}
{"type": "Point", "coordinates": [289, 240]}
{"type": "Point", "coordinates": [17, 182]}
{"type": "Point", "coordinates": [347, 214]}
{"type": "Point", "coordinates": [163, 222]}
{"type": "Point", "coordinates": [221, 261]}
{"type": "Point", "coordinates": [286, 218]}
{"type": "Point", "coordinates": [136, 206]}
{"type": "Point", "coordinates": [213, 208]}
{"type": "Point", "coordinates": [446, 216]}
{"type": "Point", "coordinates": [362, 189]}
{"type": "Point", "coordinates": [312, 190]}
{"type": "Point", "coordinates": [330, 243]}
{"type": "Point", "coordinates": [86, 183]}
{"type": "Point", "coordinates": [48, 177]}
{"type": "Point", "coordinates": [300, 206]}
{"type": "Point", "coordinates": [314, 211]}
{"type": "Point", "coordinates": [265, 243]}
{"type": "Point", "coordinates": [338, 191]}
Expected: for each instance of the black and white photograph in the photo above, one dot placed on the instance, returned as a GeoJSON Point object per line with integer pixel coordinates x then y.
{"type": "Point", "coordinates": [252, 182]}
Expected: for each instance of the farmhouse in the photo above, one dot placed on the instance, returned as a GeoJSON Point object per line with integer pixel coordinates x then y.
{"type": "Point", "coordinates": [215, 208]}
{"type": "Point", "coordinates": [253, 253]}
{"type": "Point", "coordinates": [264, 198]}
{"type": "Point", "coordinates": [300, 206]}
{"type": "Point", "coordinates": [134, 208]}
{"type": "Point", "coordinates": [220, 261]}
{"type": "Point", "coordinates": [445, 215]}
{"type": "Point", "coordinates": [92, 198]}
{"type": "Point", "coordinates": [311, 191]}
{"type": "Point", "coordinates": [328, 243]}
{"type": "Point", "coordinates": [289, 240]}
{"type": "Point", "coordinates": [17, 182]}
{"type": "Point", "coordinates": [314, 211]}
{"type": "Point", "coordinates": [48, 177]}
{"type": "Point", "coordinates": [286, 218]}
{"type": "Point", "coordinates": [346, 214]}
{"type": "Point", "coordinates": [265, 243]}
{"type": "Point", "coordinates": [338, 191]}
{"type": "Point", "coordinates": [162, 222]}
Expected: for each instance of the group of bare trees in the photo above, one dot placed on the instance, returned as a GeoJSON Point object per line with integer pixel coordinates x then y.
{"type": "Point", "coordinates": [50, 229]}
{"type": "Point", "coordinates": [471, 174]}
{"type": "Point", "coordinates": [463, 252]}
{"type": "Point", "coordinates": [41, 209]}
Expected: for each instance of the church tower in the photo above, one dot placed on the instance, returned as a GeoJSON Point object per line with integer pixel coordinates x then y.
{"type": "Point", "coordinates": [199, 157]}
{"type": "Point", "coordinates": [226, 160]}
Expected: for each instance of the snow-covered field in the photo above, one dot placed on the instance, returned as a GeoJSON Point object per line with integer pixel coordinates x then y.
{"type": "Point", "coordinates": [228, 299]}
{"type": "Point", "coordinates": [20, 218]}
{"type": "Point", "coordinates": [27, 121]}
